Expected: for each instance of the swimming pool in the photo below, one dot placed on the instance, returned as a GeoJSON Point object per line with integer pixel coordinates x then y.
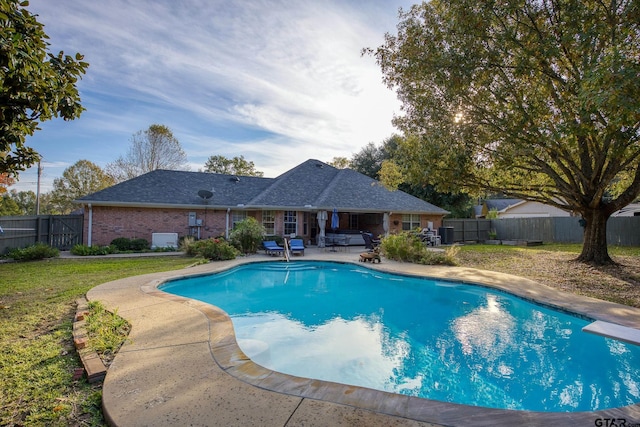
{"type": "Point", "coordinates": [435, 339]}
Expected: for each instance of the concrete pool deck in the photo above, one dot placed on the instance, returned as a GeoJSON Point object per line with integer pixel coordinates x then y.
{"type": "Point", "coordinates": [182, 365]}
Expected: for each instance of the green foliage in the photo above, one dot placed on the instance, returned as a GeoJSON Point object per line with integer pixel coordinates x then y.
{"type": "Point", "coordinates": [545, 112]}
{"type": "Point", "coordinates": [369, 161]}
{"type": "Point", "coordinates": [185, 242]}
{"type": "Point", "coordinates": [36, 85]}
{"type": "Point", "coordinates": [407, 247]}
{"type": "Point", "coordinates": [214, 249]}
{"type": "Point", "coordinates": [8, 206]}
{"type": "Point", "coordinates": [121, 243]}
{"type": "Point", "coordinates": [247, 235]}
{"type": "Point", "coordinates": [492, 214]}
{"type": "Point", "coordinates": [139, 244]}
{"type": "Point", "coordinates": [124, 244]}
{"type": "Point", "coordinates": [390, 175]}
{"type": "Point", "coordinates": [237, 166]}
{"type": "Point", "coordinates": [78, 180]}
{"type": "Point", "coordinates": [84, 250]}
{"type": "Point", "coordinates": [25, 200]}
{"type": "Point", "coordinates": [340, 163]}
{"type": "Point", "coordinates": [34, 252]}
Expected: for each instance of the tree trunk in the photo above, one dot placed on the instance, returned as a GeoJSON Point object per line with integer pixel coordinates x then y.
{"type": "Point", "coordinates": [594, 246]}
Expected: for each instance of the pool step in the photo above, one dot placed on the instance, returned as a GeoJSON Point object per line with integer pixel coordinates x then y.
{"type": "Point", "coordinates": [611, 330]}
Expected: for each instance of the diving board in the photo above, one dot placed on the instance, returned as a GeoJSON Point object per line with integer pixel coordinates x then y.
{"type": "Point", "coordinates": [611, 330]}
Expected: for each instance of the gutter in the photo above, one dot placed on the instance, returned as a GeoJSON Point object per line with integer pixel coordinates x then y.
{"type": "Point", "coordinates": [226, 225]}
{"type": "Point", "coordinates": [90, 227]}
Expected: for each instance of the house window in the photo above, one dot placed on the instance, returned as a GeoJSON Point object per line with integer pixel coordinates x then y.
{"type": "Point", "coordinates": [410, 221]}
{"type": "Point", "coordinates": [290, 222]}
{"type": "Point", "coordinates": [305, 224]}
{"type": "Point", "coordinates": [269, 222]}
{"type": "Point", "coordinates": [353, 222]}
{"type": "Point", "coordinates": [236, 217]}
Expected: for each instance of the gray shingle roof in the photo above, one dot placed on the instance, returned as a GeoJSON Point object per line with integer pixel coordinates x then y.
{"type": "Point", "coordinates": [501, 204]}
{"type": "Point", "coordinates": [311, 185]}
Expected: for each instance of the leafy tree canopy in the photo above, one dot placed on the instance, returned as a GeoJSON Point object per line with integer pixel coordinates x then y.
{"type": "Point", "coordinates": [26, 201]}
{"type": "Point", "coordinates": [78, 180]}
{"type": "Point", "coordinates": [154, 148]}
{"type": "Point", "coordinates": [531, 98]}
{"type": "Point", "coordinates": [369, 160]}
{"type": "Point", "coordinates": [35, 85]}
{"type": "Point", "coordinates": [384, 163]}
{"type": "Point", "coordinates": [8, 206]}
{"type": "Point", "coordinates": [235, 166]}
{"type": "Point", "coordinates": [340, 162]}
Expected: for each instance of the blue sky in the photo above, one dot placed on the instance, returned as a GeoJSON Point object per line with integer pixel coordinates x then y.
{"type": "Point", "coordinates": [278, 82]}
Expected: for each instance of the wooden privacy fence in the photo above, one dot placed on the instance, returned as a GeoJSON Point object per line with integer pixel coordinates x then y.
{"type": "Point", "coordinates": [58, 231]}
{"type": "Point", "coordinates": [622, 231]}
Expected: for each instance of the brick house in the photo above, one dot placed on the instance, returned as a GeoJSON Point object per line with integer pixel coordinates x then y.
{"type": "Point", "coordinates": [299, 202]}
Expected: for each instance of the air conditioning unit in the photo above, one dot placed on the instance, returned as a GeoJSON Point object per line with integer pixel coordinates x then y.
{"type": "Point", "coordinates": [164, 240]}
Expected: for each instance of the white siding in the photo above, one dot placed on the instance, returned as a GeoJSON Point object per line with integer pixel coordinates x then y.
{"type": "Point", "coordinates": [532, 210]}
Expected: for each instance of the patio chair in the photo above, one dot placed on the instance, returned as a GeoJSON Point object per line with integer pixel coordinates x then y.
{"type": "Point", "coordinates": [296, 246]}
{"type": "Point", "coordinates": [369, 241]}
{"type": "Point", "coordinates": [429, 237]}
{"type": "Point", "coordinates": [272, 248]}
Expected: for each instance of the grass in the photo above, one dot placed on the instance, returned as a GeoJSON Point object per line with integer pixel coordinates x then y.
{"type": "Point", "coordinates": [572, 248]}
{"type": "Point", "coordinates": [106, 330]}
{"type": "Point", "coordinates": [554, 265]}
{"type": "Point", "coordinates": [37, 357]}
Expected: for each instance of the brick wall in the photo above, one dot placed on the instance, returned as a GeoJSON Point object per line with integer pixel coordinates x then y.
{"type": "Point", "coordinates": [109, 223]}
{"type": "Point", "coordinates": [112, 222]}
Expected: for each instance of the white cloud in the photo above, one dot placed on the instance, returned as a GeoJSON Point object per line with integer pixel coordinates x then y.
{"type": "Point", "coordinates": [275, 81]}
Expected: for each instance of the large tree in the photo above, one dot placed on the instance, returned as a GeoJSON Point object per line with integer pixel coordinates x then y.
{"type": "Point", "coordinates": [369, 159]}
{"type": "Point", "coordinates": [35, 85]}
{"type": "Point", "coordinates": [378, 163]}
{"type": "Point", "coordinates": [536, 99]}
{"type": "Point", "coordinates": [154, 148]}
{"type": "Point", "coordinates": [78, 180]}
{"type": "Point", "coordinates": [26, 201]}
{"type": "Point", "coordinates": [235, 166]}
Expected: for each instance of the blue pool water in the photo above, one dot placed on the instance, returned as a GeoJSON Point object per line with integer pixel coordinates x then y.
{"type": "Point", "coordinates": [429, 338]}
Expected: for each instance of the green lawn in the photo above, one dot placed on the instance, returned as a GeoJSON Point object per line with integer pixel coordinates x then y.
{"type": "Point", "coordinates": [37, 357]}
{"type": "Point", "coordinates": [574, 248]}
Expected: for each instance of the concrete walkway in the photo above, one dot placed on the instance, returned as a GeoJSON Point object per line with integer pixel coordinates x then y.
{"type": "Point", "coordinates": [182, 365]}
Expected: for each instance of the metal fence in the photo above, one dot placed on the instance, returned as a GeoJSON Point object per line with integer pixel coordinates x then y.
{"type": "Point", "coordinates": [622, 231]}
{"type": "Point", "coordinates": [58, 231]}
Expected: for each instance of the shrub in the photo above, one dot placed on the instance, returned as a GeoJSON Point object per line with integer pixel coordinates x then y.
{"type": "Point", "coordinates": [404, 246]}
{"type": "Point", "coordinates": [139, 245]}
{"type": "Point", "coordinates": [408, 247]}
{"type": "Point", "coordinates": [121, 243]}
{"type": "Point", "coordinates": [84, 250]}
{"type": "Point", "coordinates": [213, 249]}
{"type": "Point", "coordinates": [34, 252]}
{"type": "Point", "coordinates": [185, 242]}
{"type": "Point", "coordinates": [247, 235]}
{"type": "Point", "coordinates": [125, 244]}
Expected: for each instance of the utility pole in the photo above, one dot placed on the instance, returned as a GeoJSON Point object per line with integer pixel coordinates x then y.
{"type": "Point", "coordinates": [38, 189]}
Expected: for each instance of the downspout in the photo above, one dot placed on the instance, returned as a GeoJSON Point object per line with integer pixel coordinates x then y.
{"type": "Point", "coordinates": [226, 226]}
{"type": "Point", "coordinates": [90, 226]}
